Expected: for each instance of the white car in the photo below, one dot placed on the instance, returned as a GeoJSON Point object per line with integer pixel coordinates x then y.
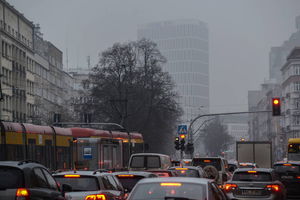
{"type": "Point", "coordinates": [89, 185]}
{"type": "Point", "coordinates": [176, 188]}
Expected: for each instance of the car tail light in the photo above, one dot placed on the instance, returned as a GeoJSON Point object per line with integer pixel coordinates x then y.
{"type": "Point", "coordinates": [125, 175]}
{"type": "Point", "coordinates": [298, 177]}
{"type": "Point", "coordinates": [22, 194]}
{"type": "Point", "coordinates": [229, 187]}
{"type": "Point", "coordinates": [275, 188]}
{"type": "Point", "coordinates": [171, 184]}
{"type": "Point", "coordinates": [96, 197]}
{"type": "Point", "coordinates": [72, 176]}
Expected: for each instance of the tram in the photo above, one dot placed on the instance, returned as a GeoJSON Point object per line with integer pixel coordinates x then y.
{"type": "Point", "coordinates": [67, 148]}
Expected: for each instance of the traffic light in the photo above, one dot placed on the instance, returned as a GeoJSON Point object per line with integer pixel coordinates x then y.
{"type": "Point", "coordinates": [276, 106]}
{"type": "Point", "coordinates": [177, 143]}
{"type": "Point", "coordinates": [182, 136]}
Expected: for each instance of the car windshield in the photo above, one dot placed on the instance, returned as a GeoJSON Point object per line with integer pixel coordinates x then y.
{"type": "Point", "coordinates": [203, 162]}
{"type": "Point", "coordinates": [129, 182]}
{"type": "Point", "coordinates": [252, 176]}
{"type": "Point", "coordinates": [10, 178]}
{"type": "Point", "coordinates": [186, 173]}
{"type": "Point", "coordinates": [79, 184]}
{"type": "Point", "coordinates": [161, 191]}
{"type": "Point", "coordinates": [287, 168]}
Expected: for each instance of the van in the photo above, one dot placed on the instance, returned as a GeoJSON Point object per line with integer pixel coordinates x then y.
{"type": "Point", "coordinates": [149, 161]}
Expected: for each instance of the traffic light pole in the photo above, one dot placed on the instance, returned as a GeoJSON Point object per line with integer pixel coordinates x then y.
{"type": "Point", "coordinates": [190, 132]}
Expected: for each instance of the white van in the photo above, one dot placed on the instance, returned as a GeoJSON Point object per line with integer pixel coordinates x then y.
{"type": "Point", "coordinates": [149, 161]}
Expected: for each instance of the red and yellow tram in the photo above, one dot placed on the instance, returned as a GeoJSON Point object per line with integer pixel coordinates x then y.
{"type": "Point", "coordinates": [66, 148]}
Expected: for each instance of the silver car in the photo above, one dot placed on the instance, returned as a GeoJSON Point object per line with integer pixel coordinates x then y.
{"type": "Point", "coordinates": [176, 188]}
{"type": "Point", "coordinates": [255, 183]}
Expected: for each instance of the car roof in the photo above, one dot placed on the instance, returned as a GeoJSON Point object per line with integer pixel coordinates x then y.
{"type": "Point", "coordinates": [83, 173]}
{"type": "Point", "coordinates": [208, 158]}
{"type": "Point", "coordinates": [188, 167]}
{"type": "Point", "coordinates": [137, 173]}
{"type": "Point", "coordinates": [176, 179]}
{"type": "Point", "coordinates": [21, 164]}
{"type": "Point", "coordinates": [254, 169]}
{"type": "Point", "coordinates": [149, 154]}
{"type": "Point", "coordinates": [247, 163]}
{"type": "Point", "coordinates": [288, 162]}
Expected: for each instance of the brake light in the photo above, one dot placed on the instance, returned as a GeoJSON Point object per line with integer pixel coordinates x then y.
{"type": "Point", "coordinates": [287, 164]}
{"type": "Point", "coordinates": [71, 175]}
{"type": "Point", "coordinates": [171, 184]}
{"type": "Point", "coordinates": [22, 194]}
{"type": "Point", "coordinates": [181, 168]}
{"type": "Point", "coordinates": [125, 175]}
{"type": "Point", "coordinates": [252, 172]}
{"type": "Point", "coordinates": [96, 197]}
{"type": "Point", "coordinates": [275, 188]}
{"type": "Point", "coordinates": [298, 177]}
{"type": "Point", "coordinates": [229, 187]}
{"type": "Point", "coordinates": [207, 161]}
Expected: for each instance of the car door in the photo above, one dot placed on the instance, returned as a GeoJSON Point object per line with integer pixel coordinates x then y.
{"type": "Point", "coordinates": [217, 193]}
{"type": "Point", "coordinates": [40, 188]}
{"type": "Point", "coordinates": [54, 189]}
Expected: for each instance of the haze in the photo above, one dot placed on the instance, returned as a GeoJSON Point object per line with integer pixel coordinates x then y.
{"type": "Point", "coordinates": [241, 34]}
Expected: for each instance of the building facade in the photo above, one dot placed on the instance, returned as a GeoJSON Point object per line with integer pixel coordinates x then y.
{"type": "Point", "coordinates": [278, 55]}
{"type": "Point", "coordinates": [185, 45]}
{"type": "Point", "coordinates": [17, 64]}
{"type": "Point", "coordinates": [291, 94]}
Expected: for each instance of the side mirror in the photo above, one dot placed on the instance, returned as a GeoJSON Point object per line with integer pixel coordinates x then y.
{"type": "Point", "coordinates": [66, 188]}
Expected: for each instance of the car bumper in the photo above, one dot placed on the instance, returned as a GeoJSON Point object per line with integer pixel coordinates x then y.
{"type": "Point", "coordinates": [271, 197]}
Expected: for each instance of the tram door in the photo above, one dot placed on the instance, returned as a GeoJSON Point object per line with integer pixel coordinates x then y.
{"type": "Point", "coordinates": [111, 156]}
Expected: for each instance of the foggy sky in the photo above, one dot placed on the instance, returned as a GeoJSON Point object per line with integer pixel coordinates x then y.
{"type": "Point", "coordinates": [241, 34]}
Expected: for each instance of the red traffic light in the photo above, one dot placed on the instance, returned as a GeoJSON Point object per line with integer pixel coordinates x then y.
{"type": "Point", "coordinates": [182, 136]}
{"type": "Point", "coordinates": [276, 101]}
{"type": "Point", "coordinates": [276, 107]}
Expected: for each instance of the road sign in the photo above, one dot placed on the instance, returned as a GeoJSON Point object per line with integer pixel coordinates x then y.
{"type": "Point", "coordinates": [182, 129]}
{"type": "Point", "coordinates": [87, 153]}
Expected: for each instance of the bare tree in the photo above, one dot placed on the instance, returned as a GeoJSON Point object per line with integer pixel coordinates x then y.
{"type": "Point", "coordinates": [216, 138]}
{"type": "Point", "coordinates": [130, 88]}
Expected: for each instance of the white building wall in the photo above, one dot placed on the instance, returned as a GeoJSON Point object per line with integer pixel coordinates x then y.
{"type": "Point", "coordinates": [185, 45]}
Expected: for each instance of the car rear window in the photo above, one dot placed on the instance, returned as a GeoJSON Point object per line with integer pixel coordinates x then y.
{"type": "Point", "coordinates": [252, 176]}
{"type": "Point", "coordinates": [158, 191]}
{"type": "Point", "coordinates": [203, 162]}
{"type": "Point", "coordinates": [82, 183]}
{"type": "Point", "coordinates": [129, 182]}
{"type": "Point", "coordinates": [140, 162]}
{"type": "Point", "coordinates": [187, 173]}
{"type": "Point", "coordinates": [287, 168]}
{"type": "Point", "coordinates": [11, 178]}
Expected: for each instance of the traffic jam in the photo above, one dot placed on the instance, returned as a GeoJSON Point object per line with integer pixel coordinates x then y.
{"type": "Point", "coordinates": [152, 176]}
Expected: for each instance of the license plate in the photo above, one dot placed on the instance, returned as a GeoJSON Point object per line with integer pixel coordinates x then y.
{"type": "Point", "coordinates": [251, 192]}
{"type": "Point", "coordinates": [287, 177]}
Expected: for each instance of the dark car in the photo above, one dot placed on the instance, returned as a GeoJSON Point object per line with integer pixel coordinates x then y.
{"type": "Point", "coordinates": [258, 183]}
{"type": "Point", "coordinates": [289, 175]}
{"type": "Point", "coordinates": [91, 185]}
{"type": "Point", "coordinates": [189, 171]}
{"type": "Point", "coordinates": [26, 180]}
{"type": "Point", "coordinates": [130, 178]}
{"type": "Point", "coordinates": [176, 188]}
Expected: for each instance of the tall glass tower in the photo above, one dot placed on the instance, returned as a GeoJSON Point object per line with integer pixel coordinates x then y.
{"type": "Point", "coordinates": [185, 45]}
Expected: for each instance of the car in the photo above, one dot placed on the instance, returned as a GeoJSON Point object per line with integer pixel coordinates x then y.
{"type": "Point", "coordinates": [215, 167]}
{"type": "Point", "coordinates": [186, 162]}
{"type": "Point", "coordinates": [258, 183]}
{"type": "Point", "coordinates": [90, 185]}
{"type": "Point", "coordinates": [128, 179]}
{"type": "Point", "coordinates": [289, 175]}
{"type": "Point", "coordinates": [176, 188]}
{"type": "Point", "coordinates": [24, 180]}
{"type": "Point", "coordinates": [149, 161]}
{"type": "Point", "coordinates": [248, 165]}
{"type": "Point", "coordinates": [189, 171]}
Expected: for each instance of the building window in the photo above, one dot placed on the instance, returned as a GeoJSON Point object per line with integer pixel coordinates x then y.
{"type": "Point", "coordinates": [297, 120]}
{"type": "Point", "coordinates": [296, 86]}
{"type": "Point", "coordinates": [297, 69]}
